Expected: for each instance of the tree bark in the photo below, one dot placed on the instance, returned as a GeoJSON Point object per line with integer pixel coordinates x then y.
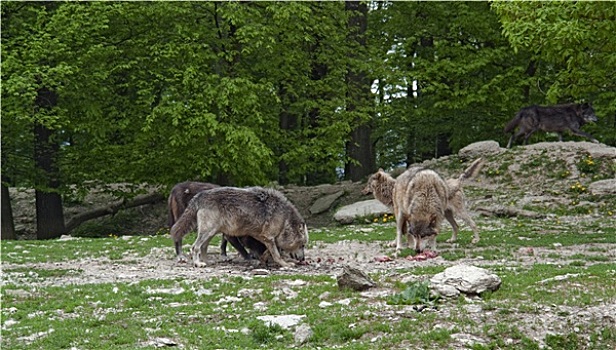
{"type": "Point", "coordinates": [359, 148]}
{"type": "Point", "coordinates": [8, 225]}
{"type": "Point", "coordinates": [49, 213]}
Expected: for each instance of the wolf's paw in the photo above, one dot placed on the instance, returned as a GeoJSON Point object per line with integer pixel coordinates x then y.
{"type": "Point", "coordinates": [225, 258]}
{"type": "Point", "coordinates": [181, 259]}
{"type": "Point", "coordinates": [199, 264]}
{"type": "Point", "coordinates": [475, 240]}
{"type": "Point", "coordinates": [452, 239]}
{"type": "Point", "coordinates": [285, 265]}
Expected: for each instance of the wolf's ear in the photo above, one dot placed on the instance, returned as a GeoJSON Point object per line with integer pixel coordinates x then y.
{"type": "Point", "coordinates": [585, 105]}
{"type": "Point", "coordinates": [381, 170]}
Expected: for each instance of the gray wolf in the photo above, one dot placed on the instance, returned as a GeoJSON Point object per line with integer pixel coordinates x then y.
{"type": "Point", "coordinates": [180, 196]}
{"type": "Point", "coordinates": [263, 214]}
{"type": "Point", "coordinates": [381, 185]}
{"type": "Point", "coordinates": [420, 199]}
{"type": "Point", "coordinates": [558, 119]}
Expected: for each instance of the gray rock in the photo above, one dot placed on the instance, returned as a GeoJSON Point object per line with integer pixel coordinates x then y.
{"type": "Point", "coordinates": [595, 150]}
{"type": "Point", "coordinates": [303, 333]}
{"type": "Point", "coordinates": [480, 149]}
{"type": "Point", "coordinates": [284, 321]}
{"type": "Point", "coordinates": [354, 279]}
{"type": "Point", "coordinates": [467, 279]}
{"type": "Point", "coordinates": [324, 203]}
{"type": "Point", "coordinates": [349, 213]}
{"type": "Point", "coordinates": [603, 187]}
{"type": "Point", "coordinates": [445, 290]}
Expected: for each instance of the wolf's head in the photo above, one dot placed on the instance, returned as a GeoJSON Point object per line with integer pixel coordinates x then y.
{"type": "Point", "coordinates": [375, 181]}
{"type": "Point", "coordinates": [588, 113]}
{"type": "Point", "coordinates": [294, 238]}
{"type": "Point", "coordinates": [424, 232]}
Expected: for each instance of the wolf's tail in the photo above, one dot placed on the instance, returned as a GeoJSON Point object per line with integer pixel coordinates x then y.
{"type": "Point", "coordinates": [172, 205]}
{"type": "Point", "coordinates": [185, 223]}
{"type": "Point", "coordinates": [513, 123]}
{"type": "Point", "coordinates": [468, 173]}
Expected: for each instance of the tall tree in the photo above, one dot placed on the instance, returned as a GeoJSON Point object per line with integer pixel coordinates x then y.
{"type": "Point", "coordinates": [361, 158]}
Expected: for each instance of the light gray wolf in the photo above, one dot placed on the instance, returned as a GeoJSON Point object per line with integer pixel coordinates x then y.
{"type": "Point", "coordinates": [558, 119]}
{"type": "Point", "coordinates": [419, 201]}
{"type": "Point", "coordinates": [180, 196]}
{"type": "Point", "coordinates": [263, 214]}
{"type": "Point", "coordinates": [381, 185]}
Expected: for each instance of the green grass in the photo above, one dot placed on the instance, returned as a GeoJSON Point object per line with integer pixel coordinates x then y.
{"type": "Point", "coordinates": [200, 312]}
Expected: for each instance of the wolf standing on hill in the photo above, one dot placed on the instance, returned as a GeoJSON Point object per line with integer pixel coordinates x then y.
{"type": "Point", "coordinates": [263, 214]}
{"type": "Point", "coordinates": [558, 119]}
{"type": "Point", "coordinates": [180, 196]}
{"type": "Point", "coordinates": [381, 185]}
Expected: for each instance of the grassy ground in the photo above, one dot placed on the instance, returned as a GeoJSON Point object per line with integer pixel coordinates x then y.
{"type": "Point", "coordinates": [558, 287]}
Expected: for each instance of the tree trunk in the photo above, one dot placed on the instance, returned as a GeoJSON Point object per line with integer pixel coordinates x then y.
{"type": "Point", "coordinates": [49, 214]}
{"type": "Point", "coordinates": [359, 148]}
{"type": "Point", "coordinates": [8, 226]}
{"type": "Point", "coordinates": [286, 122]}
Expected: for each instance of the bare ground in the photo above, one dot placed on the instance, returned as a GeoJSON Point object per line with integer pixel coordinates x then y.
{"type": "Point", "coordinates": [328, 259]}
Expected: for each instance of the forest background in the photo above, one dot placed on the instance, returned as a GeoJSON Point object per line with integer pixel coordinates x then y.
{"type": "Point", "coordinates": [251, 93]}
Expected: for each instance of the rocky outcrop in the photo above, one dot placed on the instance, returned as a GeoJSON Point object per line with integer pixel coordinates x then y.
{"type": "Point", "coordinates": [480, 149]}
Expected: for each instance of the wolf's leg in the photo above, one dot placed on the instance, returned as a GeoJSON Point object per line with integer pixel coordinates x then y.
{"type": "Point", "coordinates": [223, 246]}
{"type": "Point", "coordinates": [510, 140]}
{"type": "Point", "coordinates": [579, 132]}
{"type": "Point", "coordinates": [273, 250]}
{"type": "Point", "coordinates": [466, 217]}
{"type": "Point", "coordinates": [181, 258]}
{"type": "Point", "coordinates": [454, 225]}
{"type": "Point", "coordinates": [235, 242]}
{"type": "Point", "coordinates": [199, 248]}
{"type": "Point", "coordinates": [400, 225]}
{"type": "Point", "coordinates": [528, 136]}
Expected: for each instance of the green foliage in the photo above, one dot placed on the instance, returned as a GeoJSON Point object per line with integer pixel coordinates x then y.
{"type": "Point", "coordinates": [575, 41]}
{"type": "Point", "coordinates": [415, 293]}
{"type": "Point", "coordinates": [252, 93]}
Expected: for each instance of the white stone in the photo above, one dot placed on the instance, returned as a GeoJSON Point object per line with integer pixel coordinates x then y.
{"type": "Point", "coordinates": [349, 213]}
{"type": "Point", "coordinates": [467, 279]}
{"type": "Point", "coordinates": [284, 321]}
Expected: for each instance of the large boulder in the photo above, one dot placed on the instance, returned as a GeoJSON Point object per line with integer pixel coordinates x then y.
{"type": "Point", "coordinates": [466, 279]}
{"type": "Point", "coordinates": [480, 149]}
{"type": "Point", "coordinates": [324, 203]}
{"type": "Point", "coordinates": [349, 213]}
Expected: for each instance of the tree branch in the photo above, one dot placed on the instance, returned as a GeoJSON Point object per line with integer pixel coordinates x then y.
{"type": "Point", "coordinates": [112, 209]}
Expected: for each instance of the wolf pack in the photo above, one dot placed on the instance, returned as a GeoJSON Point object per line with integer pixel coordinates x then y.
{"type": "Point", "coordinates": [264, 226]}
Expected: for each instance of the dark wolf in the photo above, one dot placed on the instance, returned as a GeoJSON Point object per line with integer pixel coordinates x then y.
{"type": "Point", "coordinates": [381, 185]}
{"type": "Point", "coordinates": [263, 214]}
{"type": "Point", "coordinates": [180, 196]}
{"type": "Point", "coordinates": [558, 119]}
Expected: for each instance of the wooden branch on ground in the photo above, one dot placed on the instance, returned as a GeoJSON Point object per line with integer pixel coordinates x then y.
{"type": "Point", "coordinates": [508, 211]}
{"type": "Point", "coordinates": [112, 209]}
